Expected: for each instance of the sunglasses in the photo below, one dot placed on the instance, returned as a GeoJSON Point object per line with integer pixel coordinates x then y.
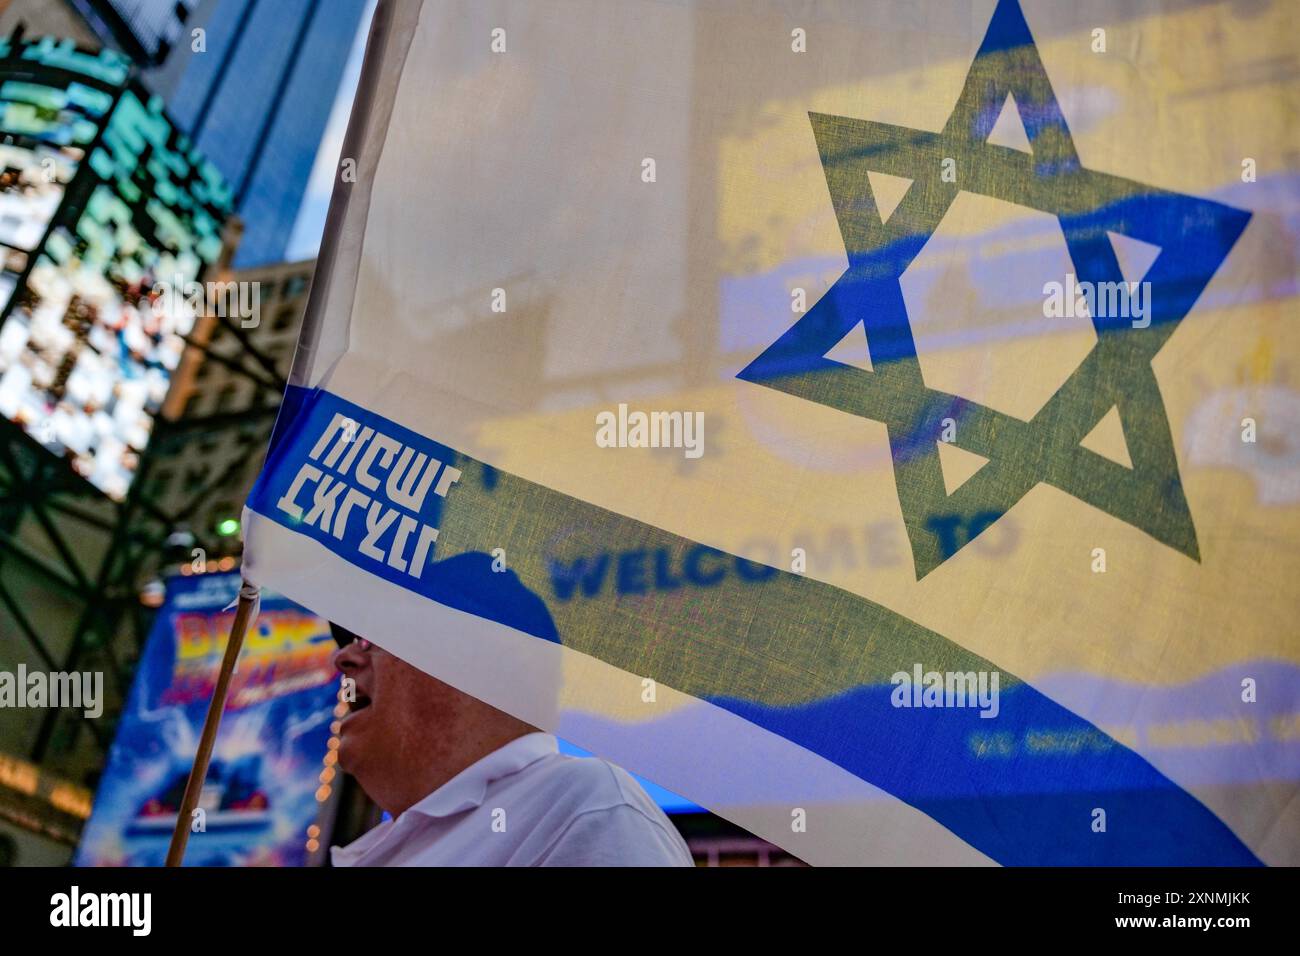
{"type": "Point", "coordinates": [343, 637]}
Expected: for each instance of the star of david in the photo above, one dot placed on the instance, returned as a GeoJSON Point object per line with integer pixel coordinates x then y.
{"type": "Point", "coordinates": [1194, 236]}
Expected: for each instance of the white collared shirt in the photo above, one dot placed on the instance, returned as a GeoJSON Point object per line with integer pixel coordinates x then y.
{"type": "Point", "coordinates": [526, 804]}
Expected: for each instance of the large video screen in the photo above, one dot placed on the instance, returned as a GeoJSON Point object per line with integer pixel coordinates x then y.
{"type": "Point", "coordinates": [104, 208]}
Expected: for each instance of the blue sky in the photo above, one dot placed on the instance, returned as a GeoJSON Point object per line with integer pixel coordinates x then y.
{"type": "Point", "coordinates": [304, 243]}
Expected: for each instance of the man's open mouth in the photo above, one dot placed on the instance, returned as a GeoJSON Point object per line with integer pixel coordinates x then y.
{"type": "Point", "coordinates": [361, 703]}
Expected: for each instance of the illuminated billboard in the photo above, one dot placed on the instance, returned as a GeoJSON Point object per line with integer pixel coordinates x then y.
{"type": "Point", "coordinates": [265, 798]}
{"type": "Point", "coordinates": [103, 205]}
{"type": "Point", "coordinates": [263, 795]}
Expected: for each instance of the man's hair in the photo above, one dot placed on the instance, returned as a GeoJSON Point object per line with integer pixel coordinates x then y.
{"type": "Point", "coordinates": [467, 582]}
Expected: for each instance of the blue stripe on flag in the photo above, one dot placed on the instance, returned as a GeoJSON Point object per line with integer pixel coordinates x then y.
{"type": "Point", "coordinates": [949, 763]}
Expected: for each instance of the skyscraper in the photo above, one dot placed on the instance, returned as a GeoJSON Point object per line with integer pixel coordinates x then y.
{"type": "Point", "coordinates": [252, 82]}
{"type": "Point", "coordinates": [257, 99]}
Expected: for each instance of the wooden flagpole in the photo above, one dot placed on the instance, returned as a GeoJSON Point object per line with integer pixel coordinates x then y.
{"type": "Point", "coordinates": [248, 595]}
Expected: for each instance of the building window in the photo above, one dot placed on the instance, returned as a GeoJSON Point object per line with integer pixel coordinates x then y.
{"type": "Point", "coordinates": [195, 477]}
{"type": "Point", "coordinates": [285, 319]}
{"type": "Point", "coordinates": [227, 397]}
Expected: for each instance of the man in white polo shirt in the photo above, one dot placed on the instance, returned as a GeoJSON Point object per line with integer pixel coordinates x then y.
{"type": "Point", "coordinates": [470, 785]}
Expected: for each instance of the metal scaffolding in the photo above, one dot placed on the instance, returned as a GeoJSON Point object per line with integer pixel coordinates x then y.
{"type": "Point", "coordinates": [62, 538]}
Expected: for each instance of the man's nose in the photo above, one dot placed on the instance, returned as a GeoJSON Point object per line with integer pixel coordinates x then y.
{"type": "Point", "coordinates": [348, 658]}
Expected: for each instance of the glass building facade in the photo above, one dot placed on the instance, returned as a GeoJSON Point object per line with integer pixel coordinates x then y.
{"type": "Point", "coordinates": [254, 93]}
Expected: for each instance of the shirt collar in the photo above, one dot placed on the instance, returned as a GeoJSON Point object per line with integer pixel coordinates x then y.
{"type": "Point", "coordinates": [462, 792]}
{"type": "Point", "coordinates": [469, 787]}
